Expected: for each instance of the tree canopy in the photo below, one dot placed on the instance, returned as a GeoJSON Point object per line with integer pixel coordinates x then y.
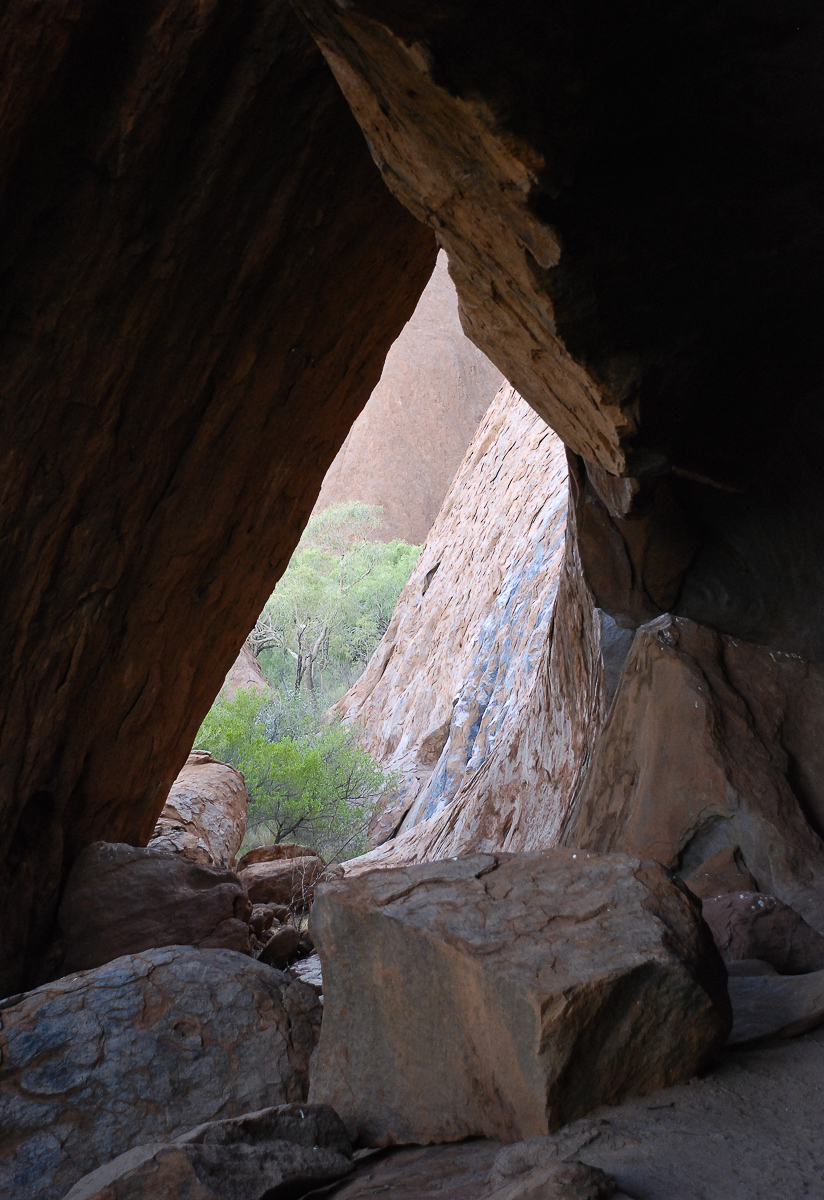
{"type": "Point", "coordinates": [333, 603]}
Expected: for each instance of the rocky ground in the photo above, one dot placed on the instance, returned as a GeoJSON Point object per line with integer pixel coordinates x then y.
{"type": "Point", "coordinates": [749, 1129]}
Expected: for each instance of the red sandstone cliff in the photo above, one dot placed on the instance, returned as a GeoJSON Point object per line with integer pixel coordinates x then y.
{"type": "Point", "coordinates": [406, 445]}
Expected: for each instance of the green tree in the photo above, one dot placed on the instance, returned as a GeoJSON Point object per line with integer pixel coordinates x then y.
{"type": "Point", "coordinates": [333, 603]}
{"type": "Point", "coordinates": [306, 781]}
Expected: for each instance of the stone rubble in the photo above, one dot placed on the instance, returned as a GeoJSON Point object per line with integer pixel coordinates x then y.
{"type": "Point", "coordinates": [142, 1050]}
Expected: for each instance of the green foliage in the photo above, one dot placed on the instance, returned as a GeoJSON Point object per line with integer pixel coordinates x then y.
{"type": "Point", "coordinates": [333, 603]}
{"type": "Point", "coordinates": [307, 782]}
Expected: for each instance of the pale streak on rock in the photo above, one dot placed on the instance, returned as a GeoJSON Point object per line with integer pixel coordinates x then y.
{"type": "Point", "coordinates": [488, 686]}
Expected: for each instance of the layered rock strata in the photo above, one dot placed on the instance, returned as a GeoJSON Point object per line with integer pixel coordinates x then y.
{"type": "Point", "coordinates": [504, 995]}
{"type": "Point", "coordinates": [143, 1049]}
{"type": "Point", "coordinates": [486, 688]}
{"type": "Point", "coordinates": [121, 900]}
{"type": "Point", "coordinates": [202, 272]}
{"type": "Point", "coordinates": [406, 445]}
{"type": "Point", "coordinates": [204, 818]}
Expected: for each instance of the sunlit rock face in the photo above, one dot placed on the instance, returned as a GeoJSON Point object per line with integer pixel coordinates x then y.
{"type": "Point", "coordinates": [202, 272]}
{"type": "Point", "coordinates": [483, 689]}
{"type": "Point", "coordinates": [407, 444]}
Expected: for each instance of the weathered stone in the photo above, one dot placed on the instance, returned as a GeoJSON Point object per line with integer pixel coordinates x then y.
{"type": "Point", "coordinates": [143, 1049]}
{"type": "Point", "coordinates": [121, 900]}
{"type": "Point", "coordinates": [202, 272]}
{"type": "Point", "coordinates": [281, 946]}
{"type": "Point", "coordinates": [264, 916]}
{"type": "Point", "coordinates": [244, 674]}
{"type": "Point", "coordinates": [503, 995]}
{"type": "Point", "coordinates": [204, 817]}
{"type": "Point", "coordinates": [407, 444]}
{"type": "Point", "coordinates": [725, 872]}
{"type": "Point", "coordinates": [751, 925]}
{"type": "Point", "coordinates": [711, 742]}
{"type": "Point", "coordinates": [275, 854]}
{"type": "Point", "coordinates": [292, 1148]}
{"type": "Point", "coordinates": [289, 881]}
{"type": "Point", "coordinates": [775, 1005]}
{"type": "Point", "coordinates": [488, 707]}
{"type": "Point", "coordinates": [558, 1181]}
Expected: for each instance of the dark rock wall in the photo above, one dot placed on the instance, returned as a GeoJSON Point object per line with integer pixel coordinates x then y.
{"type": "Point", "coordinates": [200, 275]}
{"type": "Point", "coordinates": [630, 195]}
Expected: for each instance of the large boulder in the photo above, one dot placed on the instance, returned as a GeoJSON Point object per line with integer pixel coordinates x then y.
{"type": "Point", "coordinates": [122, 899]}
{"type": "Point", "coordinates": [143, 1049]}
{"type": "Point", "coordinates": [204, 817]}
{"type": "Point", "coordinates": [275, 853]}
{"type": "Point", "coordinates": [503, 995]}
{"type": "Point", "coordinates": [750, 925]}
{"type": "Point", "coordinates": [288, 1149]}
{"type": "Point", "coordinates": [288, 881]}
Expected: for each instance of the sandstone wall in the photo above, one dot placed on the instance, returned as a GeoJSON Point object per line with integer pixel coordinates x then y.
{"type": "Point", "coordinates": [484, 687]}
{"type": "Point", "coordinates": [201, 272]}
{"type": "Point", "coordinates": [406, 445]}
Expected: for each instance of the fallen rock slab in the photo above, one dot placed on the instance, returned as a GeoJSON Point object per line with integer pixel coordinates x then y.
{"type": "Point", "coordinates": [502, 995]}
{"type": "Point", "coordinates": [253, 1157]}
{"type": "Point", "coordinates": [143, 1049]}
{"type": "Point", "coordinates": [310, 972]}
{"type": "Point", "coordinates": [747, 925]}
{"type": "Point", "coordinates": [123, 899]}
{"type": "Point", "coordinates": [775, 1005]}
{"type": "Point", "coordinates": [290, 881]}
{"type": "Point", "coordinates": [204, 818]}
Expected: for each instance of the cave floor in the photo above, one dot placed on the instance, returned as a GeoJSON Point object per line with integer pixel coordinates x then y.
{"type": "Point", "coordinates": [749, 1129]}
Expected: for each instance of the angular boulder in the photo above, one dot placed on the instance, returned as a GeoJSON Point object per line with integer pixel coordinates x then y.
{"type": "Point", "coordinates": [289, 881]}
{"type": "Point", "coordinates": [142, 1050]}
{"type": "Point", "coordinates": [503, 995]}
{"type": "Point", "coordinates": [775, 1005]}
{"type": "Point", "coordinates": [291, 1148]}
{"type": "Point", "coordinates": [747, 925]}
{"type": "Point", "coordinates": [204, 818]}
{"type": "Point", "coordinates": [122, 899]}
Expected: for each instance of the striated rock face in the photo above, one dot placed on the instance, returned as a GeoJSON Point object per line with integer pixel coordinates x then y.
{"type": "Point", "coordinates": [202, 272]}
{"type": "Point", "coordinates": [121, 900]}
{"type": "Point", "coordinates": [405, 447]}
{"type": "Point", "coordinates": [144, 1048]}
{"type": "Point", "coordinates": [505, 995]}
{"type": "Point", "coordinates": [204, 818]}
{"type": "Point", "coordinates": [483, 689]}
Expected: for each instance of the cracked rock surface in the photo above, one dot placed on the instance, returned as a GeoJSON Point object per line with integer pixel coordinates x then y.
{"type": "Point", "coordinates": [143, 1049]}
{"type": "Point", "coordinates": [502, 995]}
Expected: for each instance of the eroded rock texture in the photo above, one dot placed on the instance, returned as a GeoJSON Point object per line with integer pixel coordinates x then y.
{"type": "Point", "coordinates": [202, 272]}
{"type": "Point", "coordinates": [711, 742]}
{"type": "Point", "coordinates": [504, 995]}
{"type": "Point", "coordinates": [123, 899]}
{"type": "Point", "coordinates": [204, 818]}
{"type": "Point", "coordinates": [489, 681]}
{"type": "Point", "coordinates": [600, 175]}
{"type": "Point", "coordinates": [144, 1048]}
{"type": "Point", "coordinates": [407, 444]}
